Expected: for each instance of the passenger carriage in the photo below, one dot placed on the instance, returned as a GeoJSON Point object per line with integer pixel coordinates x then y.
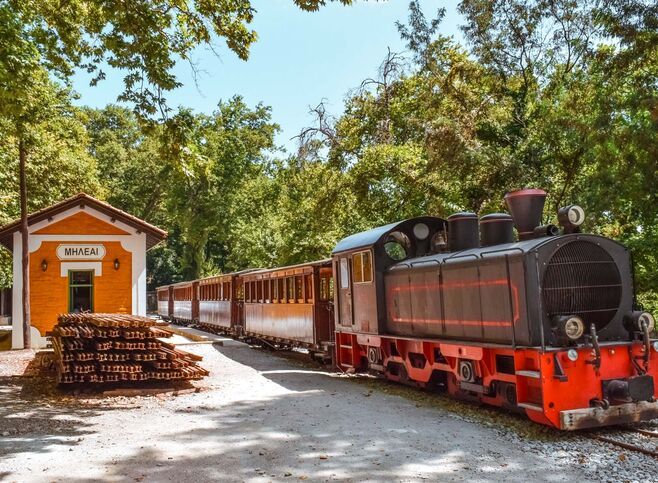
{"type": "Point", "coordinates": [221, 303]}
{"type": "Point", "coordinates": [291, 306]}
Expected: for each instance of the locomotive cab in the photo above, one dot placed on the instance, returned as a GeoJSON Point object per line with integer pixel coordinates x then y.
{"type": "Point", "coordinates": [360, 261]}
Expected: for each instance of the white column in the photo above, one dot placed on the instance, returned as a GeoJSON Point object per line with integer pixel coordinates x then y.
{"type": "Point", "coordinates": [139, 275]}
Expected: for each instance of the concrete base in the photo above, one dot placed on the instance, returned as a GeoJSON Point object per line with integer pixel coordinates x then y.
{"type": "Point", "coordinates": [198, 336]}
{"type": "Point", "coordinates": [38, 341]}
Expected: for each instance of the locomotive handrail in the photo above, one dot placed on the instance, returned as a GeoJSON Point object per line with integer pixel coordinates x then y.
{"type": "Point", "coordinates": [501, 250]}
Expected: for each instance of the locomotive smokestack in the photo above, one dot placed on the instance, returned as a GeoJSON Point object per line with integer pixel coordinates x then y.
{"type": "Point", "coordinates": [526, 207]}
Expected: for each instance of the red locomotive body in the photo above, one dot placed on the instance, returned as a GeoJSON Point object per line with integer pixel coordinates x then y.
{"type": "Point", "coordinates": [545, 325]}
{"type": "Point", "coordinates": [291, 305]}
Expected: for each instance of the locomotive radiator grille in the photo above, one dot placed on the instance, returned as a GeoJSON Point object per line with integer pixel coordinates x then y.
{"type": "Point", "coordinates": [582, 279]}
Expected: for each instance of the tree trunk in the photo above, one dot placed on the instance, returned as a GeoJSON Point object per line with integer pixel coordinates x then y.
{"type": "Point", "coordinates": [22, 155]}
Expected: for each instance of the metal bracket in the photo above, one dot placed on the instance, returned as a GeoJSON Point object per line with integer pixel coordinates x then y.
{"type": "Point", "coordinates": [558, 371]}
{"type": "Point", "coordinates": [596, 362]}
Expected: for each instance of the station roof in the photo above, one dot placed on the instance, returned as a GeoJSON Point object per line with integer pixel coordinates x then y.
{"type": "Point", "coordinates": [154, 235]}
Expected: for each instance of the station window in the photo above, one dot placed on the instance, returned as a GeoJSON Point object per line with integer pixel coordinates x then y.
{"type": "Point", "coordinates": [361, 267]}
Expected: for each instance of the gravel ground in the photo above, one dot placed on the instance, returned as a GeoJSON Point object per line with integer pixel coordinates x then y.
{"type": "Point", "coordinates": [261, 417]}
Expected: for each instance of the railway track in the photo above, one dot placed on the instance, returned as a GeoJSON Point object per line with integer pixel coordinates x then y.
{"type": "Point", "coordinates": [639, 440]}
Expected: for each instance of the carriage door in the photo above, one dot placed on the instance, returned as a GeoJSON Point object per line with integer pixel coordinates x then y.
{"type": "Point", "coordinates": [238, 297]}
{"type": "Point", "coordinates": [345, 291]}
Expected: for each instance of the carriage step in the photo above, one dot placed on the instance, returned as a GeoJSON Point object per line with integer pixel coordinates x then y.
{"type": "Point", "coordinates": [532, 407]}
{"type": "Point", "coordinates": [533, 374]}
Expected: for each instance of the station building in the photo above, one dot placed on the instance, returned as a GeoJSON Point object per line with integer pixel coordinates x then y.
{"type": "Point", "coordinates": [85, 255]}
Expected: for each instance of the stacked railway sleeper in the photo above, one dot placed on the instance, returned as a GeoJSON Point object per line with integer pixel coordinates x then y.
{"type": "Point", "coordinates": [114, 348]}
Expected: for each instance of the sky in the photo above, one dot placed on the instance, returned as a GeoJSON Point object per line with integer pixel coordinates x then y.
{"type": "Point", "coordinates": [300, 59]}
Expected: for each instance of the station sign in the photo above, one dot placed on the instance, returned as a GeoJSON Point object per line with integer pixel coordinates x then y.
{"type": "Point", "coordinates": [80, 252]}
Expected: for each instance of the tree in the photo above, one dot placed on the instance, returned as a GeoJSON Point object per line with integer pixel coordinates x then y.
{"type": "Point", "coordinates": [210, 156]}
{"type": "Point", "coordinates": [142, 38]}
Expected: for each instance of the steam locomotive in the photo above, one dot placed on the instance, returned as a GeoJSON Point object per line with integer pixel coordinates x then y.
{"type": "Point", "coordinates": [546, 324]}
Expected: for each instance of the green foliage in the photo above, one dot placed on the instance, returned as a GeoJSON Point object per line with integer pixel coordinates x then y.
{"type": "Point", "coordinates": [560, 95]}
{"type": "Point", "coordinates": [210, 156]}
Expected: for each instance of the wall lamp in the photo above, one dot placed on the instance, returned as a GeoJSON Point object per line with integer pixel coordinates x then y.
{"type": "Point", "coordinates": [44, 265]}
{"type": "Point", "coordinates": [116, 264]}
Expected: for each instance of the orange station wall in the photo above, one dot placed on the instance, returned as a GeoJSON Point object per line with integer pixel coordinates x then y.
{"type": "Point", "coordinates": [49, 291]}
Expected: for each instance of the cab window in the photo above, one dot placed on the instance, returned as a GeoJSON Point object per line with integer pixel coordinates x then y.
{"type": "Point", "coordinates": [362, 267]}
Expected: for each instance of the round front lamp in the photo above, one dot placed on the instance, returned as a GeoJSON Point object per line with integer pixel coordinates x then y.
{"type": "Point", "coordinates": [116, 264]}
{"type": "Point", "coordinates": [570, 326]}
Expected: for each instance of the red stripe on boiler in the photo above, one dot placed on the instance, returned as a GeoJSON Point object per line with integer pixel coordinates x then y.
{"type": "Point", "coordinates": [488, 323]}
{"type": "Point", "coordinates": [453, 285]}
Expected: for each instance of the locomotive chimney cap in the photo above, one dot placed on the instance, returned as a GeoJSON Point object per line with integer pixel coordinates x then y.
{"type": "Point", "coordinates": [525, 192]}
{"type": "Point", "coordinates": [526, 207]}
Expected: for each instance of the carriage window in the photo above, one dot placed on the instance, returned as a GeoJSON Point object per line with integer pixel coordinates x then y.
{"type": "Point", "coordinates": [344, 274]}
{"type": "Point", "coordinates": [361, 267]}
{"type": "Point", "coordinates": [309, 288]}
{"type": "Point", "coordinates": [290, 286]}
{"type": "Point", "coordinates": [299, 287]}
{"type": "Point", "coordinates": [281, 290]}
{"type": "Point", "coordinates": [326, 287]}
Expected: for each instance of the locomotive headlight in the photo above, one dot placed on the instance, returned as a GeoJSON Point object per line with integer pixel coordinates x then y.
{"type": "Point", "coordinates": [637, 320]}
{"type": "Point", "coordinates": [655, 345]}
{"type": "Point", "coordinates": [647, 319]}
{"type": "Point", "coordinates": [571, 215]}
{"type": "Point", "coordinates": [570, 326]}
{"type": "Point", "coordinates": [572, 354]}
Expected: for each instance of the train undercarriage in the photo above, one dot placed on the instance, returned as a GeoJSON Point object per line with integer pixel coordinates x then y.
{"type": "Point", "coordinates": [564, 388]}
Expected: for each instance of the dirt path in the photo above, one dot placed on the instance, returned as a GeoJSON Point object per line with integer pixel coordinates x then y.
{"type": "Point", "coordinates": [259, 417]}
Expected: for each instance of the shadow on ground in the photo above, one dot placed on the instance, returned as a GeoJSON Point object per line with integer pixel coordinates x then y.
{"type": "Point", "coordinates": [293, 422]}
{"type": "Point", "coordinates": [34, 415]}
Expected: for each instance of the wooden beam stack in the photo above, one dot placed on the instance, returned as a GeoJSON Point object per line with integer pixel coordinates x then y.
{"type": "Point", "coordinates": [102, 348]}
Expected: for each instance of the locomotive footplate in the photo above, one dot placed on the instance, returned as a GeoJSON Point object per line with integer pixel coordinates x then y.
{"type": "Point", "coordinates": [620, 414]}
